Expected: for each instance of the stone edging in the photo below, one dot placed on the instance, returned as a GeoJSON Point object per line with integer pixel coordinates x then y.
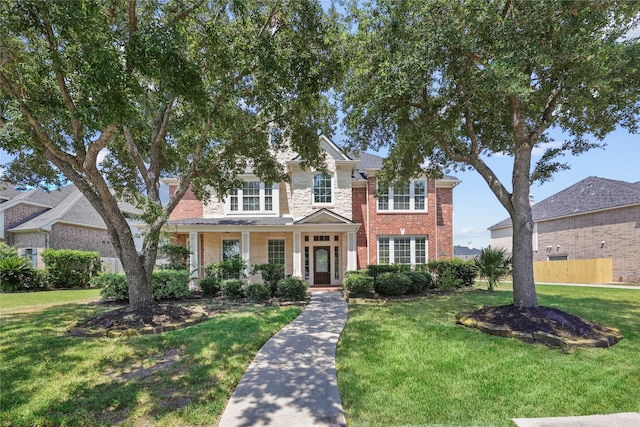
{"type": "Point", "coordinates": [74, 331]}
{"type": "Point", "coordinates": [612, 335]}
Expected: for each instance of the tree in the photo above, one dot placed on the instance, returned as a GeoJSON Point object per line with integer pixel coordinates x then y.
{"type": "Point", "coordinates": [188, 89]}
{"type": "Point", "coordinates": [447, 84]}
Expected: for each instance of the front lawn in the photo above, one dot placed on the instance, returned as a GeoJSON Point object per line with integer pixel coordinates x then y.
{"type": "Point", "coordinates": [182, 377]}
{"type": "Point", "coordinates": [20, 301]}
{"type": "Point", "coordinates": [406, 362]}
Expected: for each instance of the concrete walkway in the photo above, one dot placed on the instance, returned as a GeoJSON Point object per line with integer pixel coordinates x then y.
{"type": "Point", "coordinates": [292, 380]}
{"type": "Point", "coordinates": [625, 419]}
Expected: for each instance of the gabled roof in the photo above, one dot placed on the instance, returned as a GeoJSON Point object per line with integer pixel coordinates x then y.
{"type": "Point", "coordinates": [324, 216]}
{"type": "Point", "coordinates": [589, 195]}
{"type": "Point", "coordinates": [66, 205]}
{"type": "Point", "coordinates": [465, 251]}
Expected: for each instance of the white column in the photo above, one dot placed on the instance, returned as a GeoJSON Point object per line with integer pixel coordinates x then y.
{"type": "Point", "coordinates": [297, 255]}
{"type": "Point", "coordinates": [194, 258]}
{"type": "Point", "coordinates": [352, 253]}
{"type": "Point", "coordinates": [245, 249]}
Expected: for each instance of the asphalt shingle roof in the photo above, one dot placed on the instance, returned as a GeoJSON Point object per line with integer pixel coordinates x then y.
{"type": "Point", "coordinates": [233, 221]}
{"type": "Point", "coordinates": [589, 195]}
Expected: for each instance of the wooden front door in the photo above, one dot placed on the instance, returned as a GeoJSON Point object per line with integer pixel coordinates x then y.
{"type": "Point", "coordinates": [321, 273]}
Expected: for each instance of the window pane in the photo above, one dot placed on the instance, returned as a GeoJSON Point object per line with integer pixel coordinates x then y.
{"type": "Point", "coordinates": [276, 252]}
{"type": "Point", "coordinates": [322, 261]}
{"type": "Point", "coordinates": [383, 201]}
{"type": "Point", "coordinates": [402, 250]}
{"type": "Point", "coordinates": [421, 250]}
{"type": "Point", "coordinates": [251, 196]}
{"type": "Point", "coordinates": [419, 192]}
{"type": "Point", "coordinates": [230, 249]}
{"type": "Point", "coordinates": [383, 250]}
{"type": "Point", "coordinates": [401, 196]}
{"type": "Point", "coordinates": [336, 262]}
{"type": "Point", "coordinates": [234, 199]}
{"type": "Point", "coordinates": [268, 198]}
{"type": "Point", "coordinates": [322, 188]}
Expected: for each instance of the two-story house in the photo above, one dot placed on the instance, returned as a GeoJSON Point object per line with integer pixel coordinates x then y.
{"type": "Point", "coordinates": [320, 224]}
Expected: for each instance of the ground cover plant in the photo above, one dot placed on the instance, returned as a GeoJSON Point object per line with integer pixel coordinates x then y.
{"type": "Point", "coordinates": [181, 377]}
{"type": "Point", "coordinates": [406, 362]}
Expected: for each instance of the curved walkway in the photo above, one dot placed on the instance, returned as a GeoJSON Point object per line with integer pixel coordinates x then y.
{"type": "Point", "coordinates": [292, 380]}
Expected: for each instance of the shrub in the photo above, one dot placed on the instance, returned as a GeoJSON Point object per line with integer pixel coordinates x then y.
{"type": "Point", "coordinates": [232, 289]}
{"type": "Point", "coordinates": [458, 273]}
{"type": "Point", "coordinates": [258, 292]}
{"type": "Point", "coordinates": [14, 272]}
{"type": "Point", "coordinates": [359, 285]}
{"type": "Point", "coordinates": [271, 274]}
{"type": "Point", "coordinates": [7, 251]}
{"type": "Point", "coordinates": [113, 287]}
{"type": "Point", "coordinates": [420, 282]}
{"type": "Point", "coordinates": [448, 279]}
{"type": "Point", "coordinates": [226, 270]}
{"type": "Point", "coordinates": [355, 273]}
{"type": "Point", "coordinates": [210, 286]}
{"type": "Point", "coordinates": [292, 288]}
{"type": "Point", "coordinates": [170, 284]}
{"type": "Point", "coordinates": [177, 255]}
{"type": "Point", "coordinates": [70, 269]}
{"type": "Point", "coordinates": [492, 264]}
{"type": "Point", "coordinates": [392, 284]}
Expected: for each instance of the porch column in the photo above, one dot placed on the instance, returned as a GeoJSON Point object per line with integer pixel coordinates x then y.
{"type": "Point", "coordinates": [194, 259]}
{"type": "Point", "coordinates": [297, 255]}
{"type": "Point", "coordinates": [246, 250]}
{"type": "Point", "coordinates": [352, 253]}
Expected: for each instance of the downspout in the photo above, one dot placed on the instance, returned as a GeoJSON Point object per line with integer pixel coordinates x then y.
{"type": "Point", "coordinates": [368, 234]}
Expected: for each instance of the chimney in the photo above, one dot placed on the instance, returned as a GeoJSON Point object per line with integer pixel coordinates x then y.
{"type": "Point", "coordinates": [531, 202]}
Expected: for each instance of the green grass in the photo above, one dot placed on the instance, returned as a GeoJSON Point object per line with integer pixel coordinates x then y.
{"type": "Point", "coordinates": [34, 300]}
{"type": "Point", "coordinates": [49, 379]}
{"type": "Point", "coordinates": [407, 363]}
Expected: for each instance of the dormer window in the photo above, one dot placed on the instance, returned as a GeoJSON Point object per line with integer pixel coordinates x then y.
{"type": "Point", "coordinates": [408, 197]}
{"type": "Point", "coordinates": [253, 197]}
{"type": "Point", "coordinates": [322, 189]}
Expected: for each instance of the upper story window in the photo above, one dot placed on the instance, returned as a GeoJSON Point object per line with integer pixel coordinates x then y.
{"type": "Point", "coordinates": [322, 188]}
{"type": "Point", "coordinates": [252, 197]}
{"type": "Point", "coordinates": [409, 197]}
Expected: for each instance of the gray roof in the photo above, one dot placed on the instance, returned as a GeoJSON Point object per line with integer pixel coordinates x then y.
{"type": "Point", "coordinates": [589, 195]}
{"type": "Point", "coordinates": [465, 251]}
{"type": "Point", "coordinates": [233, 221]}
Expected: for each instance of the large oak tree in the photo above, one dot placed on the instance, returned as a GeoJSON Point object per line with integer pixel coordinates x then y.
{"type": "Point", "coordinates": [446, 84]}
{"type": "Point", "coordinates": [190, 89]}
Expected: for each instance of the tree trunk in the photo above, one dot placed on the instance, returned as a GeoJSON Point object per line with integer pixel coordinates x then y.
{"type": "Point", "coordinates": [524, 289]}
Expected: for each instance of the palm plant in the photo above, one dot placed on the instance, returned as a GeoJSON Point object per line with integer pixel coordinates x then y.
{"type": "Point", "coordinates": [13, 271]}
{"type": "Point", "coordinates": [493, 264]}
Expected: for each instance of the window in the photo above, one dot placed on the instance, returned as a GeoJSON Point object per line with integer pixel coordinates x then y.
{"type": "Point", "coordinates": [253, 197]}
{"type": "Point", "coordinates": [322, 188]}
{"type": "Point", "coordinates": [320, 238]}
{"type": "Point", "coordinates": [409, 197]}
{"type": "Point", "coordinates": [306, 262]}
{"type": "Point", "coordinates": [275, 252]}
{"type": "Point", "coordinates": [402, 250]}
{"type": "Point", "coordinates": [336, 262]}
{"type": "Point", "coordinates": [558, 258]}
{"type": "Point", "coordinates": [32, 255]}
{"type": "Point", "coordinates": [230, 249]}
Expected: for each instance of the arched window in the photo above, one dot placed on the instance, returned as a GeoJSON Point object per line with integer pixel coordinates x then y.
{"type": "Point", "coordinates": [322, 188]}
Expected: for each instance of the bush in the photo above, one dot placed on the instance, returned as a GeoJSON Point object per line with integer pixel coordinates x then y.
{"type": "Point", "coordinates": [355, 273]}
{"type": "Point", "coordinates": [420, 282]}
{"type": "Point", "coordinates": [232, 289]}
{"type": "Point", "coordinates": [492, 264]}
{"type": "Point", "coordinates": [226, 270]}
{"type": "Point", "coordinates": [170, 284]}
{"type": "Point", "coordinates": [177, 255]}
{"type": "Point", "coordinates": [70, 269]}
{"type": "Point", "coordinates": [258, 292]}
{"type": "Point", "coordinates": [392, 284]}
{"type": "Point", "coordinates": [358, 285]}
{"type": "Point", "coordinates": [271, 274]}
{"type": "Point", "coordinates": [7, 251]}
{"type": "Point", "coordinates": [292, 288]}
{"type": "Point", "coordinates": [113, 287]}
{"type": "Point", "coordinates": [457, 273]}
{"type": "Point", "coordinates": [14, 272]}
{"type": "Point", "coordinates": [210, 286]}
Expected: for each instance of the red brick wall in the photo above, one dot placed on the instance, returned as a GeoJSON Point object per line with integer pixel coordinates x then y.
{"type": "Point", "coordinates": [18, 214]}
{"type": "Point", "coordinates": [390, 223]}
{"type": "Point", "coordinates": [188, 206]}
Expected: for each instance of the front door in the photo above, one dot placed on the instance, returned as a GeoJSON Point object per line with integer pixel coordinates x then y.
{"type": "Point", "coordinates": [321, 273]}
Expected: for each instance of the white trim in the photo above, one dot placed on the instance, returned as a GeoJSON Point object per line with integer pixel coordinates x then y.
{"type": "Point", "coordinates": [245, 249]}
{"type": "Point", "coordinates": [412, 247]}
{"type": "Point", "coordinates": [297, 255]}
{"type": "Point", "coordinates": [412, 199]}
{"type": "Point", "coordinates": [275, 201]}
{"type": "Point", "coordinates": [194, 258]}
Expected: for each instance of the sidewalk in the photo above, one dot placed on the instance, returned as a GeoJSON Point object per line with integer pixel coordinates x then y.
{"type": "Point", "coordinates": [292, 380]}
{"type": "Point", "coordinates": [626, 419]}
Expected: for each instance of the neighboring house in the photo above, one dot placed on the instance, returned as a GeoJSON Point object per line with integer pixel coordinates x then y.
{"type": "Point", "coordinates": [465, 253]}
{"type": "Point", "coordinates": [60, 219]}
{"type": "Point", "coordinates": [319, 225]}
{"type": "Point", "coordinates": [594, 218]}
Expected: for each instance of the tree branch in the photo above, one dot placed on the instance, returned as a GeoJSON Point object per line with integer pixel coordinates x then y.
{"type": "Point", "coordinates": [181, 15]}
{"type": "Point", "coordinates": [96, 146]}
{"type": "Point", "coordinates": [547, 115]}
{"type": "Point", "coordinates": [135, 154]}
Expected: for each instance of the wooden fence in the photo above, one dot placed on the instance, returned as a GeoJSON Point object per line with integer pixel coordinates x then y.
{"type": "Point", "coordinates": [599, 270]}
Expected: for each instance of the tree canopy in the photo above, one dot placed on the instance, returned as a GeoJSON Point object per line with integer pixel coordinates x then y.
{"type": "Point", "coordinates": [446, 84]}
{"type": "Point", "coordinates": [188, 89]}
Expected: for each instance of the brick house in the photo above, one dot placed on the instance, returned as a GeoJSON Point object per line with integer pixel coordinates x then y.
{"type": "Point", "coordinates": [594, 218]}
{"type": "Point", "coordinates": [319, 225]}
{"type": "Point", "coordinates": [60, 219]}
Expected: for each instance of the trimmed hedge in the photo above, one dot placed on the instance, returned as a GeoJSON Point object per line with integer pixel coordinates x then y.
{"type": "Point", "coordinates": [452, 273]}
{"type": "Point", "coordinates": [232, 289]}
{"type": "Point", "coordinates": [210, 286]}
{"type": "Point", "coordinates": [166, 285]}
{"type": "Point", "coordinates": [258, 292]}
{"type": "Point", "coordinates": [420, 282]}
{"type": "Point", "coordinates": [359, 285]}
{"type": "Point", "coordinates": [292, 288]}
{"type": "Point", "coordinates": [70, 269]}
{"type": "Point", "coordinates": [392, 284]}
